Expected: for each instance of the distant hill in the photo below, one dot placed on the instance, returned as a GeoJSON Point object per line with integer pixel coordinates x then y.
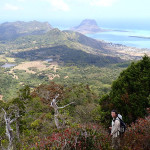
{"type": "Point", "coordinates": [71, 39]}
{"type": "Point", "coordinates": [88, 26]}
{"type": "Point", "coordinates": [12, 30]}
{"type": "Point", "coordinates": [71, 46]}
{"type": "Point", "coordinates": [55, 37]}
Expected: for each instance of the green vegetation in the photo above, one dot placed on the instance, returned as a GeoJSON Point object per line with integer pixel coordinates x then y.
{"type": "Point", "coordinates": [36, 115]}
{"type": "Point", "coordinates": [81, 121]}
{"type": "Point", "coordinates": [8, 85]}
{"type": "Point", "coordinates": [99, 79]}
{"type": "Point", "coordinates": [67, 56]}
{"type": "Point", "coordinates": [129, 93]}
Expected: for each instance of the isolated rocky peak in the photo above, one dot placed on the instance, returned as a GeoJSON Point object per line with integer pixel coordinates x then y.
{"type": "Point", "coordinates": [89, 22]}
{"type": "Point", "coordinates": [87, 26]}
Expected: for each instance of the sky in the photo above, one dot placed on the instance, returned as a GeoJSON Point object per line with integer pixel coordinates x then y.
{"type": "Point", "coordinates": [70, 11]}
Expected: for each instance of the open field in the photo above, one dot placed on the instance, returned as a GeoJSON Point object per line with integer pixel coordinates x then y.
{"type": "Point", "coordinates": [33, 67]}
{"type": "Point", "coordinates": [39, 65]}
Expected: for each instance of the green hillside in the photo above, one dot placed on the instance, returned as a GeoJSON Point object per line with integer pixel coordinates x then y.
{"type": "Point", "coordinates": [12, 30]}
{"type": "Point", "coordinates": [70, 56]}
{"type": "Point", "coordinates": [56, 37]}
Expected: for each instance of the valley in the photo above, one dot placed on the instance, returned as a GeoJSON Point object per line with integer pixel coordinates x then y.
{"type": "Point", "coordinates": [65, 57]}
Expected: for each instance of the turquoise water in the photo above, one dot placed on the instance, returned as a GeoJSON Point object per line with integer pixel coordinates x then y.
{"type": "Point", "coordinates": [124, 37]}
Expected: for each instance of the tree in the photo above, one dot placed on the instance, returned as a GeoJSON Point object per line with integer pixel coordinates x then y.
{"type": "Point", "coordinates": [129, 93]}
{"type": "Point", "coordinates": [13, 113]}
{"type": "Point", "coordinates": [56, 112]}
{"type": "Point", "coordinates": [18, 105]}
{"type": "Point", "coordinates": [52, 94]}
{"type": "Point", "coordinates": [9, 130]}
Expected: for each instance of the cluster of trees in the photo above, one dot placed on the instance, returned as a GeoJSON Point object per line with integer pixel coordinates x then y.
{"type": "Point", "coordinates": [129, 93]}
{"type": "Point", "coordinates": [99, 79]}
{"type": "Point", "coordinates": [40, 112]}
{"type": "Point", "coordinates": [8, 85]}
{"type": "Point", "coordinates": [11, 116]}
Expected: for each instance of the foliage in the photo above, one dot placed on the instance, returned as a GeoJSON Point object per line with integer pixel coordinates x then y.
{"type": "Point", "coordinates": [15, 110]}
{"type": "Point", "coordinates": [137, 137]}
{"type": "Point", "coordinates": [8, 85]}
{"type": "Point", "coordinates": [85, 107]}
{"type": "Point", "coordinates": [99, 79]}
{"type": "Point", "coordinates": [88, 136]}
{"type": "Point", "coordinates": [37, 128]}
{"type": "Point", "coordinates": [94, 136]}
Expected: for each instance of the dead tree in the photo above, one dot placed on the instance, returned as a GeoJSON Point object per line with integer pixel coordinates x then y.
{"type": "Point", "coordinates": [56, 112]}
{"type": "Point", "coordinates": [9, 130]}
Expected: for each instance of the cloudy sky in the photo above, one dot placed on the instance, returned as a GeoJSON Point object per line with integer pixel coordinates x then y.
{"type": "Point", "coordinates": [67, 10]}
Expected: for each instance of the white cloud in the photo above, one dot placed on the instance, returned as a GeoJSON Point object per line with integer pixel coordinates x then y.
{"type": "Point", "coordinates": [60, 5]}
{"type": "Point", "coordinates": [102, 2]}
{"type": "Point", "coordinates": [11, 7]}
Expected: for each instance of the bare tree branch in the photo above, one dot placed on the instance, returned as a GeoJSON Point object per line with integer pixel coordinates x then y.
{"type": "Point", "coordinates": [56, 108]}
{"type": "Point", "coordinates": [65, 105]}
{"type": "Point", "coordinates": [9, 130]}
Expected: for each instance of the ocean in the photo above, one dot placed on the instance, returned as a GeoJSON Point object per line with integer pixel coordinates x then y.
{"type": "Point", "coordinates": [133, 28]}
{"type": "Point", "coordinates": [128, 37]}
{"type": "Point", "coordinates": [122, 32]}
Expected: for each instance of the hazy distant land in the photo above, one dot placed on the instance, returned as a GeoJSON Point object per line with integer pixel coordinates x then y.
{"type": "Point", "coordinates": [142, 37]}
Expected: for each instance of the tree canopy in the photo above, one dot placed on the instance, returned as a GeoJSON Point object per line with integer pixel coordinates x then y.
{"type": "Point", "coordinates": [129, 93]}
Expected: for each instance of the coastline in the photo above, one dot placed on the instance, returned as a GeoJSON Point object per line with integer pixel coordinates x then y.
{"type": "Point", "coordinates": [125, 52]}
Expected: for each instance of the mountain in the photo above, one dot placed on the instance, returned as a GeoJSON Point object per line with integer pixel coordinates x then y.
{"type": "Point", "coordinates": [70, 46]}
{"type": "Point", "coordinates": [55, 37]}
{"type": "Point", "coordinates": [73, 40]}
{"type": "Point", "coordinates": [88, 26]}
{"type": "Point", "coordinates": [12, 30]}
{"type": "Point", "coordinates": [24, 36]}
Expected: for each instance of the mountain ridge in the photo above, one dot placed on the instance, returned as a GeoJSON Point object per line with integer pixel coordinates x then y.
{"type": "Point", "coordinates": [13, 30]}
{"type": "Point", "coordinates": [71, 39]}
{"type": "Point", "coordinates": [56, 37]}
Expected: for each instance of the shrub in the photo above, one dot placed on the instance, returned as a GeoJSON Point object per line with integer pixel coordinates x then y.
{"type": "Point", "coordinates": [81, 137]}
{"type": "Point", "coordinates": [137, 137]}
